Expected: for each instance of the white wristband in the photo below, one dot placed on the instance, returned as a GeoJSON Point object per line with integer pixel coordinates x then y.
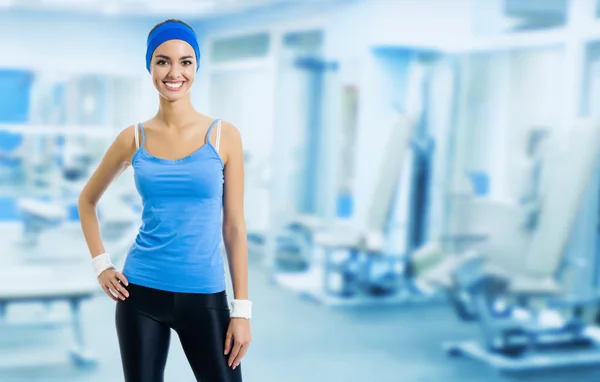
{"type": "Point", "coordinates": [241, 309]}
{"type": "Point", "coordinates": [101, 263]}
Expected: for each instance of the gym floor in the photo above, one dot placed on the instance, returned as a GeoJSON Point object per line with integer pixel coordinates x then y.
{"type": "Point", "coordinates": [294, 340]}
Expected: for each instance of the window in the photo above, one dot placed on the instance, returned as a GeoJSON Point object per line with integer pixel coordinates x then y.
{"type": "Point", "coordinates": [240, 48]}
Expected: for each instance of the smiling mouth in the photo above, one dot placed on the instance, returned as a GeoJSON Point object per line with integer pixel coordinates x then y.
{"type": "Point", "coordinates": [174, 85]}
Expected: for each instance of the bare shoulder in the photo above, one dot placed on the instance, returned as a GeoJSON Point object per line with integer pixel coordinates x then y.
{"type": "Point", "coordinates": [124, 143]}
{"type": "Point", "coordinates": [231, 133]}
{"type": "Point", "coordinates": [231, 140]}
{"type": "Point", "coordinates": [126, 137]}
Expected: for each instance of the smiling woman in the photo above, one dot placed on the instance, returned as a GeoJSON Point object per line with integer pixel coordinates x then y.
{"type": "Point", "coordinates": [173, 58]}
{"type": "Point", "coordinates": [187, 176]}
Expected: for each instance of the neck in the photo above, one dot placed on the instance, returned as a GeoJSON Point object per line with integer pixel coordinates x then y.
{"type": "Point", "coordinates": [175, 114]}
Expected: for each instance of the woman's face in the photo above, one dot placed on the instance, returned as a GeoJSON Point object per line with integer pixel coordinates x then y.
{"type": "Point", "coordinates": [173, 69]}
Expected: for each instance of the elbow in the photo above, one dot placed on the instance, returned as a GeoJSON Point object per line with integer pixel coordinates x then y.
{"type": "Point", "coordinates": [84, 201]}
{"type": "Point", "coordinates": [233, 230]}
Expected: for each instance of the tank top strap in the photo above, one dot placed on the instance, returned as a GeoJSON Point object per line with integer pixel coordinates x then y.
{"type": "Point", "coordinates": [143, 134]}
{"type": "Point", "coordinates": [218, 139]}
{"type": "Point", "coordinates": [209, 130]}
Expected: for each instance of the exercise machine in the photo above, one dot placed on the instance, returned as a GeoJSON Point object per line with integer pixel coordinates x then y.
{"type": "Point", "coordinates": [357, 263]}
{"type": "Point", "coordinates": [529, 315]}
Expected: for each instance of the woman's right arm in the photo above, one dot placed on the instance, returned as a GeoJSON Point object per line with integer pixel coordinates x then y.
{"type": "Point", "coordinates": [116, 160]}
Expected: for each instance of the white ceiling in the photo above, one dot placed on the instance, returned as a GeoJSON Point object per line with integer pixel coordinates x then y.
{"type": "Point", "coordinates": [189, 8]}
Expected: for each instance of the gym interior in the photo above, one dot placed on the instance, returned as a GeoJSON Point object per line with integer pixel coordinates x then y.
{"type": "Point", "coordinates": [422, 183]}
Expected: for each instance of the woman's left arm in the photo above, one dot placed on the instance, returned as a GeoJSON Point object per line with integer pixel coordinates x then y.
{"type": "Point", "coordinates": [235, 239]}
{"type": "Point", "coordinates": [234, 224]}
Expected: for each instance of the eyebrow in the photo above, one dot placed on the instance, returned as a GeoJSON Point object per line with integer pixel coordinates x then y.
{"type": "Point", "coordinates": [168, 58]}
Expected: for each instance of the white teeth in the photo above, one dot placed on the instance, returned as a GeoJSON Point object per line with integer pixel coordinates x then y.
{"type": "Point", "coordinates": [173, 85]}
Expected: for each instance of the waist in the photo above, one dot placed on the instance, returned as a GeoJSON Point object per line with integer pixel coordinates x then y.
{"type": "Point", "coordinates": [167, 219]}
{"type": "Point", "coordinates": [163, 231]}
{"type": "Point", "coordinates": [176, 271]}
{"type": "Point", "coordinates": [182, 246]}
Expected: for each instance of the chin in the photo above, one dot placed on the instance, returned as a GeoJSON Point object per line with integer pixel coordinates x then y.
{"type": "Point", "coordinates": [171, 97]}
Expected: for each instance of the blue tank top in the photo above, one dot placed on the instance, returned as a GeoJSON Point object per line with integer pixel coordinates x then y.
{"type": "Point", "coordinates": [177, 247]}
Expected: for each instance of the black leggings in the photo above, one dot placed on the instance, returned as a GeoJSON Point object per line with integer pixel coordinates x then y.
{"type": "Point", "coordinates": [144, 322]}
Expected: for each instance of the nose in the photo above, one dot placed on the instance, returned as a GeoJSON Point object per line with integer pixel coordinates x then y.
{"type": "Point", "coordinates": [176, 72]}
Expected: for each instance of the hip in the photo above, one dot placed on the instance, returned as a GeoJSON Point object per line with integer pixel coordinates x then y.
{"type": "Point", "coordinates": [174, 308]}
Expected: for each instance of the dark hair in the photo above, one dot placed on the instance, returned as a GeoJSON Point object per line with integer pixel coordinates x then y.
{"type": "Point", "coordinates": [169, 21]}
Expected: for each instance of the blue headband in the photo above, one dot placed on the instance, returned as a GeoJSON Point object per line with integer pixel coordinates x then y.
{"type": "Point", "coordinates": [171, 31]}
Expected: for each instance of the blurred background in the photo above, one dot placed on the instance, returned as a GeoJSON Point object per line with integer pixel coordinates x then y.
{"type": "Point", "coordinates": [422, 183]}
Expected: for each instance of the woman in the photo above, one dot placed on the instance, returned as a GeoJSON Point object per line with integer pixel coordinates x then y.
{"type": "Point", "coordinates": [187, 167]}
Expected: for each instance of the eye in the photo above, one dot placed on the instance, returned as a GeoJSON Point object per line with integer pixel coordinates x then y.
{"type": "Point", "coordinates": [161, 62]}
{"type": "Point", "coordinates": [187, 62]}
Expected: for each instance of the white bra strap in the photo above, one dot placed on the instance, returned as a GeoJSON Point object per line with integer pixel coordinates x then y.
{"type": "Point", "coordinates": [218, 140]}
{"type": "Point", "coordinates": [137, 136]}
